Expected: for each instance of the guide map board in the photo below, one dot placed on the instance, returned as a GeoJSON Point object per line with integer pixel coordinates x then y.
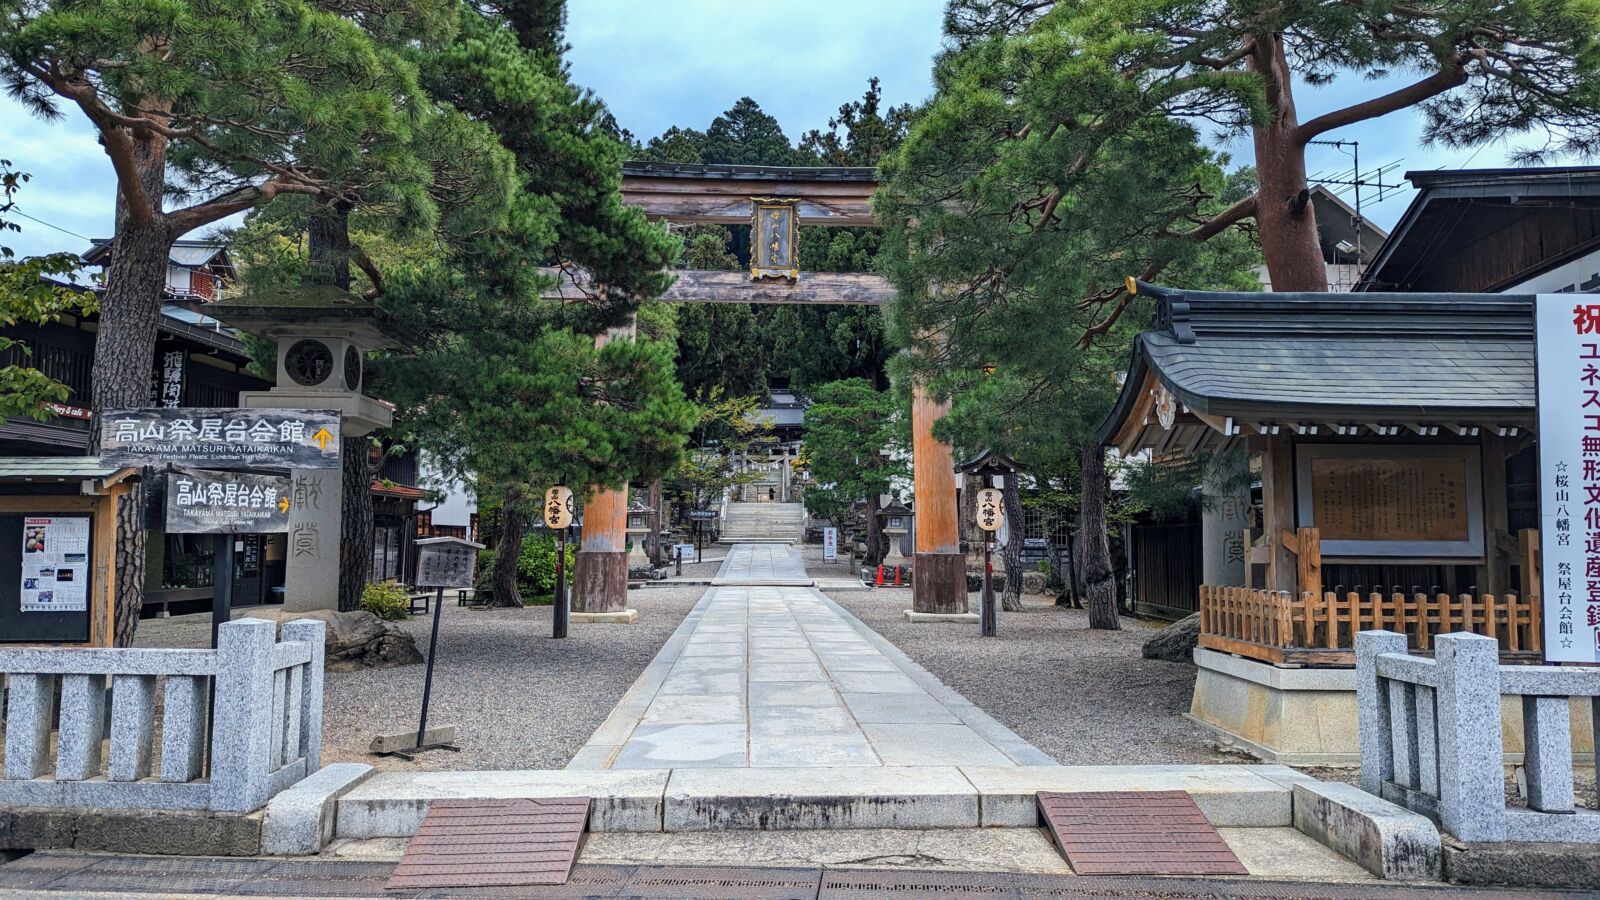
{"type": "Point", "coordinates": [46, 577]}
{"type": "Point", "coordinates": [221, 438]}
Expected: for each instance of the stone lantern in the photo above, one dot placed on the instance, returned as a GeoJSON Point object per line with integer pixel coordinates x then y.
{"type": "Point", "coordinates": [640, 515]}
{"type": "Point", "coordinates": [896, 521]}
{"type": "Point", "coordinates": [323, 335]}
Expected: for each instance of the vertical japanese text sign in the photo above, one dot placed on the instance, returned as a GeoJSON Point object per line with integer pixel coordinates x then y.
{"type": "Point", "coordinates": [1568, 333]}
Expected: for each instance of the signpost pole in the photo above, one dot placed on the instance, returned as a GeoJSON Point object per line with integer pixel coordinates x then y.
{"type": "Point", "coordinates": [988, 615]}
{"type": "Point", "coordinates": [221, 583]}
{"type": "Point", "coordinates": [427, 679]}
{"type": "Point", "coordinates": [558, 626]}
{"type": "Point", "coordinates": [699, 545]}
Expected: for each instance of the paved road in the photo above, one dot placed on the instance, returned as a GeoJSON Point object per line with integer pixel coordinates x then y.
{"type": "Point", "coordinates": [51, 874]}
{"type": "Point", "coordinates": [769, 674]}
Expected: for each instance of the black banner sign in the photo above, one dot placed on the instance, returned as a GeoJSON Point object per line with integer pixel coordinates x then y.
{"type": "Point", "coordinates": [221, 438]}
{"type": "Point", "coordinates": [217, 502]}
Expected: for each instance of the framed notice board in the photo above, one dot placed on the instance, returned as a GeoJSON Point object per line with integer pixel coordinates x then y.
{"type": "Point", "coordinates": [46, 577]}
{"type": "Point", "coordinates": [1392, 500]}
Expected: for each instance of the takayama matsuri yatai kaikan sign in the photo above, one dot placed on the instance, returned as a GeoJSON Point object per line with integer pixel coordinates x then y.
{"type": "Point", "coordinates": [221, 438]}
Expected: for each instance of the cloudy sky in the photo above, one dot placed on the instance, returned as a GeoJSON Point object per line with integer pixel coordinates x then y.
{"type": "Point", "coordinates": [665, 62]}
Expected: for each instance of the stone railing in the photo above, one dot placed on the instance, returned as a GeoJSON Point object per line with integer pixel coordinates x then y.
{"type": "Point", "coordinates": [266, 723]}
{"type": "Point", "coordinates": [1431, 737]}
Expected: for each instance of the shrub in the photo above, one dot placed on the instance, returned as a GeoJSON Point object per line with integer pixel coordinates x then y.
{"type": "Point", "coordinates": [388, 601]}
{"type": "Point", "coordinates": [536, 568]}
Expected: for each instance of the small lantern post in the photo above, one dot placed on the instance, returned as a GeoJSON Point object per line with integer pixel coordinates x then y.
{"type": "Point", "coordinates": [558, 517]}
{"type": "Point", "coordinates": [991, 470]}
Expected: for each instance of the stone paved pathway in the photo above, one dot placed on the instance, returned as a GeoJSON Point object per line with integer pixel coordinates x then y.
{"type": "Point", "coordinates": [781, 676]}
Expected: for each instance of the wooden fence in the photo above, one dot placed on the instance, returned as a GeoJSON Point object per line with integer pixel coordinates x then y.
{"type": "Point", "coordinates": [1313, 629]}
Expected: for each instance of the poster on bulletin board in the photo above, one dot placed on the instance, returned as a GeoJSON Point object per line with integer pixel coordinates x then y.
{"type": "Point", "coordinates": [55, 564]}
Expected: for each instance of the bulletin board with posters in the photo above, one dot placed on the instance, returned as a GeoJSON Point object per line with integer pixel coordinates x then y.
{"type": "Point", "coordinates": [47, 580]}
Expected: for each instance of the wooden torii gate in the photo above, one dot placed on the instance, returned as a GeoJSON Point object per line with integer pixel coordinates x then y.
{"type": "Point", "coordinates": [790, 197]}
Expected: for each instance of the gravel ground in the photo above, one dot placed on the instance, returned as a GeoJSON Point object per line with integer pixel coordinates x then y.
{"type": "Point", "coordinates": [1084, 697]}
{"type": "Point", "coordinates": [521, 700]}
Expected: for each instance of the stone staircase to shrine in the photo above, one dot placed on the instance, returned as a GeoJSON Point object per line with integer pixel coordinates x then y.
{"type": "Point", "coordinates": [748, 523]}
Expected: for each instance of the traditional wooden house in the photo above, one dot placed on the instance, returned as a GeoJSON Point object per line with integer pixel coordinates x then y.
{"type": "Point", "coordinates": [1391, 435]}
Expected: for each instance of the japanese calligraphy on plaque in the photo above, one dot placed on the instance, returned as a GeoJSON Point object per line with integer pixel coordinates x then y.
{"type": "Point", "coordinates": [774, 239]}
{"type": "Point", "coordinates": [222, 438]}
{"type": "Point", "coordinates": [217, 502]}
{"type": "Point", "coordinates": [446, 562]}
{"type": "Point", "coordinates": [1568, 341]}
{"type": "Point", "coordinates": [1392, 500]}
{"type": "Point", "coordinates": [991, 509]}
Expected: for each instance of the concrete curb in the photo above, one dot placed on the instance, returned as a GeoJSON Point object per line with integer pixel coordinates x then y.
{"type": "Point", "coordinates": [300, 821]}
{"type": "Point", "coordinates": [1390, 842]}
{"type": "Point", "coordinates": [392, 804]}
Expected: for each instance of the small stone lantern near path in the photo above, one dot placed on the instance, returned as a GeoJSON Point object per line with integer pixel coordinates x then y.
{"type": "Point", "coordinates": [896, 521]}
{"type": "Point", "coordinates": [640, 515]}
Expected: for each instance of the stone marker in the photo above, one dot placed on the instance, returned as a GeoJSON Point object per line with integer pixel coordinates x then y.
{"type": "Point", "coordinates": [407, 740]}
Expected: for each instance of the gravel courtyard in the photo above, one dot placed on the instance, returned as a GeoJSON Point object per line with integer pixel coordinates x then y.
{"type": "Point", "coordinates": [521, 699]}
{"type": "Point", "coordinates": [1084, 697]}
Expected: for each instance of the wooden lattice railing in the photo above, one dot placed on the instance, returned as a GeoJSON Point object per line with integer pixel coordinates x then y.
{"type": "Point", "coordinates": [1320, 629]}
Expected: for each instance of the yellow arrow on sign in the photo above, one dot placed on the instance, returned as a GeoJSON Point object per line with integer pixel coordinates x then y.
{"type": "Point", "coordinates": [322, 437]}
{"type": "Point", "coordinates": [283, 504]}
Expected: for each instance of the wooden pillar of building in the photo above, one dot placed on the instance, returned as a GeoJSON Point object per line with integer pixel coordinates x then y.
{"type": "Point", "coordinates": [939, 583]}
{"type": "Point", "coordinates": [1494, 575]}
{"type": "Point", "coordinates": [600, 574]}
{"type": "Point", "coordinates": [1277, 510]}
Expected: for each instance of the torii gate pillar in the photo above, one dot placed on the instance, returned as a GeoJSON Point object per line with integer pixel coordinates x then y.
{"type": "Point", "coordinates": [939, 573]}
{"type": "Point", "coordinates": [600, 576]}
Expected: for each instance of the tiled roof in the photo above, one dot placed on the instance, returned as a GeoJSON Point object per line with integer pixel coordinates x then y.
{"type": "Point", "coordinates": [1274, 356]}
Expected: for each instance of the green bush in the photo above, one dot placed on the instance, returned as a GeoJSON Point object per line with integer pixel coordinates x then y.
{"type": "Point", "coordinates": [388, 601]}
{"type": "Point", "coordinates": [536, 568]}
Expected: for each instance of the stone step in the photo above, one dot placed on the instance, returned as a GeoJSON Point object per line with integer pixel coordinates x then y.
{"type": "Point", "coordinates": [392, 804]}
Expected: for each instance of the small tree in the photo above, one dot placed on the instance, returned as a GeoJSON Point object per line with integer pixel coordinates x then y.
{"type": "Point", "coordinates": [724, 433]}
{"type": "Point", "coordinates": [29, 293]}
{"type": "Point", "coordinates": [858, 440]}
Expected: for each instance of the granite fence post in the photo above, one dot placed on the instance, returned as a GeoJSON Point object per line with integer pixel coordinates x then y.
{"type": "Point", "coordinates": [83, 727]}
{"type": "Point", "coordinates": [310, 711]}
{"type": "Point", "coordinates": [133, 719]}
{"type": "Point", "coordinates": [1472, 804]}
{"type": "Point", "coordinates": [1373, 723]}
{"type": "Point", "coordinates": [241, 729]}
{"type": "Point", "coordinates": [28, 725]}
{"type": "Point", "coordinates": [1547, 753]}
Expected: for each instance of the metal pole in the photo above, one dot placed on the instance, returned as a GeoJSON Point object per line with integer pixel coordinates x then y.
{"type": "Point", "coordinates": [988, 613]}
{"type": "Point", "coordinates": [221, 583]}
{"type": "Point", "coordinates": [558, 625]}
{"type": "Point", "coordinates": [699, 544]}
{"type": "Point", "coordinates": [427, 680]}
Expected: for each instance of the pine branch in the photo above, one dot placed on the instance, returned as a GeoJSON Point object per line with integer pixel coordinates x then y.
{"type": "Point", "coordinates": [1452, 76]}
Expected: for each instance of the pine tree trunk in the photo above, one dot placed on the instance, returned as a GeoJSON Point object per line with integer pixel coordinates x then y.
{"type": "Point", "coordinates": [875, 548]}
{"type": "Point", "coordinates": [514, 522]}
{"type": "Point", "coordinates": [355, 523]}
{"type": "Point", "coordinates": [1287, 226]}
{"type": "Point", "coordinates": [124, 356]}
{"type": "Point", "coordinates": [1099, 581]}
{"type": "Point", "coordinates": [1011, 552]}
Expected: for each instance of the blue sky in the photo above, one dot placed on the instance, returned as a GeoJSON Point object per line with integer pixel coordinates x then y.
{"type": "Point", "coordinates": [682, 62]}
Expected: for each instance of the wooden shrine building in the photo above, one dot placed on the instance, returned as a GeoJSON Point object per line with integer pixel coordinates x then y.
{"type": "Point", "coordinates": [1386, 431]}
{"type": "Point", "coordinates": [1391, 438]}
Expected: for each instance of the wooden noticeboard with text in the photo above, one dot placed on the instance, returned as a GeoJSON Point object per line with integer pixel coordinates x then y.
{"type": "Point", "coordinates": [1392, 500]}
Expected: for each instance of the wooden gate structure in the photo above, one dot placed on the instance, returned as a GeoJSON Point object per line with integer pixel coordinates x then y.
{"type": "Point", "coordinates": [775, 201]}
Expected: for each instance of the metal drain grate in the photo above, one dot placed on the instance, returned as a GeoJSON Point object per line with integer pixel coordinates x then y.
{"type": "Point", "coordinates": [493, 843]}
{"type": "Point", "coordinates": [1136, 833]}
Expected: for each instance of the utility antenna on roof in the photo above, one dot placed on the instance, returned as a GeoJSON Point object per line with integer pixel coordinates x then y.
{"type": "Point", "coordinates": [1356, 179]}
